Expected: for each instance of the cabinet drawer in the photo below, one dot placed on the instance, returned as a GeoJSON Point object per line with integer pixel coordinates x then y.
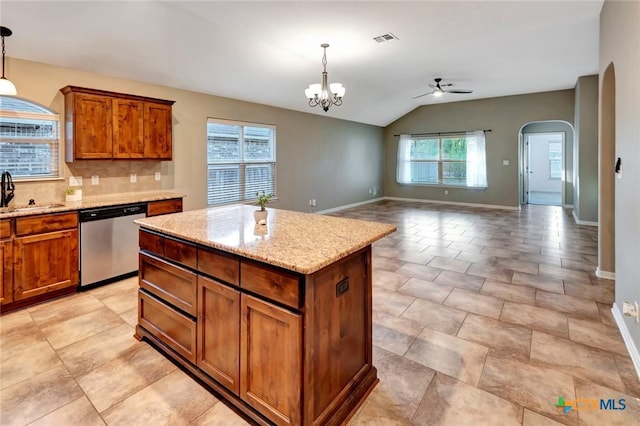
{"type": "Point", "coordinates": [271, 283]}
{"type": "Point", "coordinates": [45, 223]}
{"type": "Point", "coordinates": [222, 266]}
{"type": "Point", "coordinates": [173, 284]}
{"type": "Point", "coordinates": [180, 252]}
{"type": "Point", "coordinates": [151, 242]}
{"type": "Point", "coordinates": [173, 328]}
{"type": "Point", "coordinates": [155, 208]}
{"type": "Point", "coordinates": [5, 228]}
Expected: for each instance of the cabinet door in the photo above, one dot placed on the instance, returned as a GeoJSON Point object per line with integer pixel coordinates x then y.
{"type": "Point", "coordinates": [128, 129]}
{"type": "Point", "coordinates": [157, 131]}
{"type": "Point", "coordinates": [270, 360]}
{"type": "Point", "coordinates": [93, 127]}
{"type": "Point", "coordinates": [6, 277]}
{"type": "Point", "coordinates": [44, 263]}
{"type": "Point", "coordinates": [219, 332]}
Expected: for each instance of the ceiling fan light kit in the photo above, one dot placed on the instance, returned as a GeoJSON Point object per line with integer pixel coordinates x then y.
{"type": "Point", "coordinates": [439, 91]}
{"type": "Point", "coordinates": [6, 86]}
{"type": "Point", "coordinates": [325, 94]}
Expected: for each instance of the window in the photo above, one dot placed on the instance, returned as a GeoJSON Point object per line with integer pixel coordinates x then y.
{"type": "Point", "coordinates": [442, 160]}
{"type": "Point", "coordinates": [555, 160]}
{"type": "Point", "coordinates": [241, 160]}
{"type": "Point", "coordinates": [29, 139]}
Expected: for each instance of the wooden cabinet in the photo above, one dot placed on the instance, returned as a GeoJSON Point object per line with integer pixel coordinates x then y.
{"type": "Point", "coordinates": [45, 254]}
{"type": "Point", "coordinates": [128, 129]}
{"type": "Point", "coordinates": [90, 116]}
{"type": "Point", "coordinates": [6, 261]}
{"type": "Point", "coordinates": [282, 347]}
{"type": "Point", "coordinates": [156, 208]}
{"type": "Point", "coordinates": [219, 332]}
{"type": "Point", "coordinates": [157, 131]}
{"type": "Point", "coordinates": [109, 125]}
{"type": "Point", "coordinates": [270, 360]}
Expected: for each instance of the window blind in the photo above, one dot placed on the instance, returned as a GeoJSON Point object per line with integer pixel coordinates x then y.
{"type": "Point", "coordinates": [240, 161]}
{"type": "Point", "coordinates": [29, 139]}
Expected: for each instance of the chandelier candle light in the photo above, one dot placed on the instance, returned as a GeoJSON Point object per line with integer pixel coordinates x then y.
{"type": "Point", "coordinates": [6, 86]}
{"type": "Point", "coordinates": [325, 94]}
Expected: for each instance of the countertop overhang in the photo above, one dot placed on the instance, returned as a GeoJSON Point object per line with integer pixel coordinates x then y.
{"type": "Point", "coordinates": [97, 201]}
{"type": "Point", "coordinates": [300, 242]}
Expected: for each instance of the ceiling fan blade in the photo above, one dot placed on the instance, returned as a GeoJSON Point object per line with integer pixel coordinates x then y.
{"type": "Point", "coordinates": [458, 91]}
{"type": "Point", "coordinates": [419, 96]}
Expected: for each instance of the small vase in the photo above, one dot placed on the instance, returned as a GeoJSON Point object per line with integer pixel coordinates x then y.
{"type": "Point", "coordinates": [259, 215]}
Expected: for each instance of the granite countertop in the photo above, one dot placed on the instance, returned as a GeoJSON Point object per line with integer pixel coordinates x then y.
{"type": "Point", "coordinates": [300, 242]}
{"type": "Point", "coordinates": [90, 202]}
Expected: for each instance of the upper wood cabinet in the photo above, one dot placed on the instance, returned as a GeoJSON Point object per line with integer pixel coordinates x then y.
{"type": "Point", "coordinates": [108, 125]}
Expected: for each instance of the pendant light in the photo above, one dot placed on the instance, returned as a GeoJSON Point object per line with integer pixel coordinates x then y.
{"type": "Point", "coordinates": [325, 94]}
{"type": "Point", "coordinates": [6, 86]}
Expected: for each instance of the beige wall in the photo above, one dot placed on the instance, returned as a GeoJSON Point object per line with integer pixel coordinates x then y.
{"type": "Point", "coordinates": [620, 45]}
{"type": "Point", "coordinates": [504, 115]}
{"type": "Point", "coordinates": [336, 162]}
{"type": "Point", "coordinates": [586, 149]}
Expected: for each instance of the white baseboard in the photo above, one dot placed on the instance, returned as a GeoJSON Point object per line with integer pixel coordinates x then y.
{"type": "Point", "coordinates": [583, 222]}
{"type": "Point", "coordinates": [348, 206]}
{"type": "Point", "coordinates": [626, 336]}
{"type": "Point", "coordinates": [419, 200]}
{"type": "Point", "coordinates": [605, 274]}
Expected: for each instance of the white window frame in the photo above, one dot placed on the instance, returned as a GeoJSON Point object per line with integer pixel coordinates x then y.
{"type": "Point", "coordinates": [403, 174]}
{"type": "Point", "coordinates": [46, 114]}
{"type": "Point", "coordinates": [243, 163]}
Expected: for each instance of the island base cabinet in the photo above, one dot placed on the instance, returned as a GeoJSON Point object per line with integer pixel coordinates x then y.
{"type": "Point", "coordinates": [171, 327]}
{"type": "Point", "coordinates": [44, 263]}
{"type": "Point", "coordinates": [218, 342]}
{"type": "Point", "coordinates": [270, 360]}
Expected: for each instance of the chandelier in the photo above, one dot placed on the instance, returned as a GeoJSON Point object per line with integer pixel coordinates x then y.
{"type": "Point", "coordinates": [6, 86]}
{"type": "Point", "coordinates": [325, 94]}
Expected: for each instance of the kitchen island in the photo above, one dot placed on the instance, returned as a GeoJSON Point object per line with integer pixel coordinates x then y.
{"type": "Point", "coordinates": [275, 318]}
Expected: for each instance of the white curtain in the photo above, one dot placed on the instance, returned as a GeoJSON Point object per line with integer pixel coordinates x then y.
{"type": "Point", "coordinates": [476, 160]}
{"type": "Point", "coordinates": [403, 169]}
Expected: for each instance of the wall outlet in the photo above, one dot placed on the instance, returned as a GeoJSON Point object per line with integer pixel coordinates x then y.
{"type": "Point", "coordinates": [133, 178]}
{"type": "Point", "coordinates": [75, 180]}
{"type": "Point", "coordinates": [95, 180]}
{"type": "Point", "coordinates": [631, 309]}
{"type": "Point", "coordinates": [446, 192]}
{"type": "Point", "coordinates": [158, 176]}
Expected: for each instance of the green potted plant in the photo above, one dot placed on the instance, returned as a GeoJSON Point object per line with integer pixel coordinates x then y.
{"type": "Point", "coordinates": [72, 194]}
{"type": "Point", "coordinates": [262, 198]}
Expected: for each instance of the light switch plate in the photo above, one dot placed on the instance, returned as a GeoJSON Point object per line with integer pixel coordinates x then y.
{"type": "Point", "coordinates": [158, 176]}
{"type": "Point", "coordinates": [95, 180]}
{"type": "Point", "coordinates": [133, 178]}
{"type": "Point", "coordinates": [505, 162]}
{"type": "Point", "coordinates": [75, 180]}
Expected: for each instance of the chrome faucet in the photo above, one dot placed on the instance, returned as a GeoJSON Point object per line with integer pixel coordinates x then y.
{"type": "Point", "coordinates": [8, 189]}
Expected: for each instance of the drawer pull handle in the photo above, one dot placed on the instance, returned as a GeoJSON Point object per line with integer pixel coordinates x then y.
{"type": "Point", "coordinates": [342, 287]}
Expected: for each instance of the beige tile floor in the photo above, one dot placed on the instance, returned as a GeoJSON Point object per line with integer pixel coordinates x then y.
{"type": "Point", "coordinates": [481, 317]}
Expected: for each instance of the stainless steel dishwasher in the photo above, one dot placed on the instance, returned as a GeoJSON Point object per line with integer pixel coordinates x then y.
{"type": "Point", "coordinates": [109, 243]}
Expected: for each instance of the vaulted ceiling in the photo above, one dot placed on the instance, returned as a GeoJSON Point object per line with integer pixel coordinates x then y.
{"type": "Point", "coordinates": [268, 52]}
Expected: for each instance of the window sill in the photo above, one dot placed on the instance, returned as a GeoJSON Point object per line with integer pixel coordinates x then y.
{"type": "Point", "coordinates": [40, 179]}
{"type": "Point", "coordinates": [426, 185]}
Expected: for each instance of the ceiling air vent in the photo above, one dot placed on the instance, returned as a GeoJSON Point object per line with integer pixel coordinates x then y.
{"type": "Point", "coordinates": [385, 37]}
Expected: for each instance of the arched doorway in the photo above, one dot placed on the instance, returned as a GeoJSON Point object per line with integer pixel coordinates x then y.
{"type": "Point", "coordinates": [606, 176]}
{"type": "Point", "coordinates": [546, 132]}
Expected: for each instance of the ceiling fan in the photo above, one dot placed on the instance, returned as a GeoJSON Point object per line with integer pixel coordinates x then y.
{"type": "Point", "coordinates": [439, 91]}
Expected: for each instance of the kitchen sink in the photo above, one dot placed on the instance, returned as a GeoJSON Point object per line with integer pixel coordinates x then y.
{"type": "Point", "coordinates": [29, 208]}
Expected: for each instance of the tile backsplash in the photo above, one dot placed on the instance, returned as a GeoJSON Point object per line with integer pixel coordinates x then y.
{"type": "Point", "coordinates": [114, 177]}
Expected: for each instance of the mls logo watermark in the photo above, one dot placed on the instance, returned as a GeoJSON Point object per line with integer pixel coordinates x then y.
{"type": "Point", "coordinates": [582, 404]}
